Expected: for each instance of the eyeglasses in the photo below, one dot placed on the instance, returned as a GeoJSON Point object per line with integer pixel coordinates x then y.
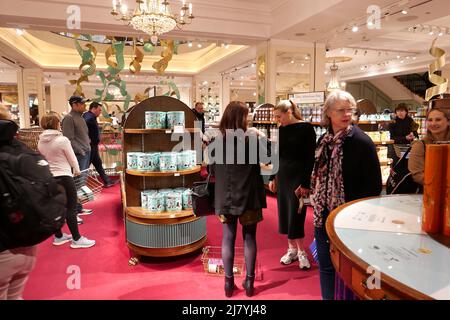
{"type": "Point", "coordinates": [351, 111]}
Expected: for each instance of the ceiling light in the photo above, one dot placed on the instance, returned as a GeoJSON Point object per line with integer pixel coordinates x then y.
{"type": "Point", "coordinates": [343, 84]}
{"type": "Point", "coordinates": [242, 77]}
{"type": "Point", "coordinates": [292, 61]}
{"type": "Point", "coordinates": [355, 29]}
{"type": "Point", "coordinates": [362, 68]}
{"type": "Point", "coordinates": [199, 45]}
{"type": "Point", "coordinates": [253, 65]}
{"type": "Point", "coordinates": [190, 44]}
{"type": "Point", "coordinates": [404, 11]}
{"type": "Point", "coordinates": [343, 50]}
{"type": "Point", "coordinates": [254, 94]}
{"type": "Point", "coordinates": [402, 61]}
{"type": "Point", "coordinates": [20, 32]}
{"type": "Point", "coordinates": [153, 17]}
{"type": "Point", "coordinates": [242, 83]}
{"type": "Point", "coordinates": [398, 57]}
{"type": "Point", "coordinates": [205, 83]}
{"type": "Point", "coordinates": [370, 24]}
{"type": "Point", "coordinates": [307, 57]}
{"type": "Point", "coordinates": [414, 58]}
{"type": "Point", "coordinates": [302, 64]}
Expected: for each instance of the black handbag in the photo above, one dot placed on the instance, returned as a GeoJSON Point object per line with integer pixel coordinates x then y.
{"type": "Point", "coordinates": [203, 197]}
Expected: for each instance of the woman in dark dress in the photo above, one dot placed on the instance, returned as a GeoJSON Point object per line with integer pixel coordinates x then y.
{"type": "Point", "coordinates": [297, 143]}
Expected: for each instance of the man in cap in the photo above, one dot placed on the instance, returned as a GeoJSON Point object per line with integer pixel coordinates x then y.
{"type": "Point", "coordinates": [75, 129]}
{"type": "Point", "coordinates": [95, 109]}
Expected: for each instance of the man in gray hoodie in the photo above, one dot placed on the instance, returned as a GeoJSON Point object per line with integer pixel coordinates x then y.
{"type": "Point", "coordinates": [75, 129]}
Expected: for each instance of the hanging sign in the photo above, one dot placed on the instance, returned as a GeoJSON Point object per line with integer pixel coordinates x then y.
{"type": "Point", "coordinates": [308, 97]}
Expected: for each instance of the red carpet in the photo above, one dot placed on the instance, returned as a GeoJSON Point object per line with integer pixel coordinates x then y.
{"type": "Point", "coordinates": [105, 273]}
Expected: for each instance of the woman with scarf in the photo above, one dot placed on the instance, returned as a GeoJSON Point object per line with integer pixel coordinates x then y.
{"type": "Point", "coordinates": [346, 169]}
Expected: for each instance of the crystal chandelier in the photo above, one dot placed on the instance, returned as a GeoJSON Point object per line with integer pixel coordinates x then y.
{"type": "Point", "coordinates": [153, 17]}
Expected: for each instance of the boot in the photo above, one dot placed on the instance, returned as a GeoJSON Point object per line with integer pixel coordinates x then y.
{"type": "Point", "coordinates": [229, 286]}
{"type": "Point", "coordinates": [248, 285]}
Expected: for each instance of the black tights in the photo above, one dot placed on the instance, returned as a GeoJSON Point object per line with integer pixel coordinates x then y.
{"type": "Point", "coordinates": [71, 216]}
{"type": "Point", "coordinates": [228, 242]}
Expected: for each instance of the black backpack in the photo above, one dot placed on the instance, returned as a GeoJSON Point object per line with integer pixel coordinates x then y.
{"type": "Point", "coordinates": [400, 179]}
{"type": "Point", "coordinates": [32, 204]}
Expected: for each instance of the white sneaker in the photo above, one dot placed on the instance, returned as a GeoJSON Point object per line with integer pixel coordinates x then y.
{"type": "Point", "coordinates": [303, 260]}
{"type": "Point", "coordinates": [64, 239]}
{"type": "Point", "coordinates": [83, 242]}
{"type": "Point", "coordinates": [290, 256]}
{"type": "Point", "coordinates": [85, 212]}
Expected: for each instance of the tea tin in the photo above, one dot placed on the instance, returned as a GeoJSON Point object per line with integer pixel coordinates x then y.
{"type": "Point", "coordinates": [175, 118]}
{"type": "Point", "coordinates": [174, 201]}
{"type": "Point", "coordinates": [155, 120]}
{"type": "Point", "coordinates": [184, 160]}
{"type": "Point", "coordinates": [168, 161]}
{"type": "Point", "coordinates": [187, 199]}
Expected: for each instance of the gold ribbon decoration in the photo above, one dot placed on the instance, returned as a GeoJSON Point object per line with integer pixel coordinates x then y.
{"type": "Point", "coordinates": [161, 65]}
{"type": "Point", "coordinates": [135, 65]}
{"type": "Point", "coordinates": [139, 97]}
{"type": "Point", "coordinates": [79, 90]}
{"type": "Point", "coordinates": [440, 83]}
{"type": "Point", "coordinates": [109, 54]}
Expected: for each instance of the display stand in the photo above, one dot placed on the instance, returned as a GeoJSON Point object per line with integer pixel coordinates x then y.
{"type": "Point", "coordinates": [379, 250]}
{"type": "Point", "coordinates": [263, 118]}
{"type": "Point", "coordinates": [164, 234]}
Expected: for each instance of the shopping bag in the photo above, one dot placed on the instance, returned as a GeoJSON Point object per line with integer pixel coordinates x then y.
{"type": "Point", "coordinates": [203, 197]}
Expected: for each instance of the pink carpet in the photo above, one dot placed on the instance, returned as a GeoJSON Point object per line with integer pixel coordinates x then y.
{"type": "Point", "coordinates": [105, 273]}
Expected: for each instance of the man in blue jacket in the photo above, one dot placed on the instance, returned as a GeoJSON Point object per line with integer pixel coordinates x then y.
{"type": "Point", "coordinates": [95, 109]}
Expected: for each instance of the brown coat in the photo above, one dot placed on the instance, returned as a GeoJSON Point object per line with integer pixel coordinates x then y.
{"type": "Point", "coordinates": [416, 162]}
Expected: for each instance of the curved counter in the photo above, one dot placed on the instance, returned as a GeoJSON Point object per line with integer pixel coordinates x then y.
{"type": "Point", "coordinates": [379, 250]}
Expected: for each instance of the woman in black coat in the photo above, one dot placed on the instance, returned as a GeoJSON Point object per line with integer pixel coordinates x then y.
{"type": "Point", "coordinates": [403, 130]}
{"type": "Point", "coordinates": [297, 144]}
{"type": "Point", "coordinates": [239, 188]}
{"type": "Point", "coordinates": [346, 169]}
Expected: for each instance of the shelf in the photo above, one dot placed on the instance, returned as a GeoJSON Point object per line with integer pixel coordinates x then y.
{"type": "Point", "coordinates": [169, 131]}
{"type": "Point", "coordinates": [382, 143]}
{"type": "Point", "coordinates": [386, 163]}
{"type": "Point", "coordinates": [374, 121]}
{"type": "Point", "coordinates": [140, 212]}
{"type": "Point", "coordinates": [164, 173]}
{"type": "Point", "coordinates": [265, 122]}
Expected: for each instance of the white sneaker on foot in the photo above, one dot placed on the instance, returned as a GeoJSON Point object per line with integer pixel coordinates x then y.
{"type": "Point", "coordinates": [85, 212]}
{"type": "Point", "coordinates": [83, 242]}
{"type": "Point", "coordinates": [64, 239]}
{"type": "Point", "coordinates": [290, 256]}
{"type": "Point", "coordinates": [303, 260]}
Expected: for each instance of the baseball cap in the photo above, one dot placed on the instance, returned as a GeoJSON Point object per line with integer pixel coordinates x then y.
{"type": "Point", "coordinates": [77, 99]}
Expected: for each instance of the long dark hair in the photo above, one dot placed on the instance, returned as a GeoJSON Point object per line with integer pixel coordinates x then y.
{"type": "Point", "coordinates": [234, 117]}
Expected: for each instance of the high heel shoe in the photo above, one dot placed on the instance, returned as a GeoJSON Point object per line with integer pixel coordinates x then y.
{"type": "Point", "coordinates": [229, 286]}
{"type": "Point", "coordinates": [248, 285]}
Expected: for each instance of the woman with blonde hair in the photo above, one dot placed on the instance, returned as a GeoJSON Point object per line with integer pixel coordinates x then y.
{"type": "Point", "coordinates": [346, 169]}
{"type": "Point", "coordinates": [297, 144]}
{"type": "Point", "coordinates": [58, 151]}
{"type": "Point", "coordinates": [438, 129]}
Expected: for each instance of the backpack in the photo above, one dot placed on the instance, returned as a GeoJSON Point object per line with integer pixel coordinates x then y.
{"type": "Point", "coordinates": [32, 204]}
{"type": "Point", "coordinates": [400, 179]}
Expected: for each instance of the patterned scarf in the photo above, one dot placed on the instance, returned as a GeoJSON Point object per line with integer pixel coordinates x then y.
{"type": "Point", "coordinates": [327, 181]}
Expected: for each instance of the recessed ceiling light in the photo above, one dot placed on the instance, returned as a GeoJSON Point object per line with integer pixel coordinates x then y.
{"type": "Point", "coordinates": [253, 65]}
{"type": "Point", "coordinates": [402, 61]}
{"type": "Point", "coordinates": [292, 61]}
{"type": "Point", "coordinates": [404, 11]}
{"type": "Point", "coordinates": [190, 44]}
{"type": "Point", "coordinates": [199, 45]}
{"type": "Point", "coordinates": [355, 29]}
{"type": "Point", "coordinates": [242, 83]}
{"type": "Point", "coordinates": [302, 64]}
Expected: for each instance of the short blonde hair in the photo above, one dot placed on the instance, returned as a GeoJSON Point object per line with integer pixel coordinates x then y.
{"type": "Point", "coordinates": [332, 99]}
{"type": "Point", "coordinates": [4, 113]}
{"type": "Point", "coordinates": [50, 120]}
{"type": "Point", "coordinates": [286, 105]}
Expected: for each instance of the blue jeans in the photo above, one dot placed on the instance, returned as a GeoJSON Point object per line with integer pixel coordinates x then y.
{"type": "Point", "coordinates": [326, 268]}
{"type": "Point", "coordinates": [83, 163]}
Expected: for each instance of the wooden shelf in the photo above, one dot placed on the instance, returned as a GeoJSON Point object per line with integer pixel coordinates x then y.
{"type": "Point", "coordinates": [265, 122]}
{"type": "Point", "coordinates": [164, 173]}
{"type": "Point", "coordinates": [382, 143]}
{"type": "Point", "coordinates": [142, 213]}
{"type": "Point", "coordinates": [168, 131]}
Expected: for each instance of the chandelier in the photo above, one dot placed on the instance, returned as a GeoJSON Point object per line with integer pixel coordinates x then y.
{"type": "Point", "coordinates": [334, 80]}
{"type": "Point", "coordinates": [153, 17]}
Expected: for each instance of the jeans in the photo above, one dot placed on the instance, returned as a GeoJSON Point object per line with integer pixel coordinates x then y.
{"type": "Point", "coordinates": [97, 162]}
{"type": "Point", "coordinates": [326, 268]}
{"type": "Point", "coordinates": [83, 163]}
